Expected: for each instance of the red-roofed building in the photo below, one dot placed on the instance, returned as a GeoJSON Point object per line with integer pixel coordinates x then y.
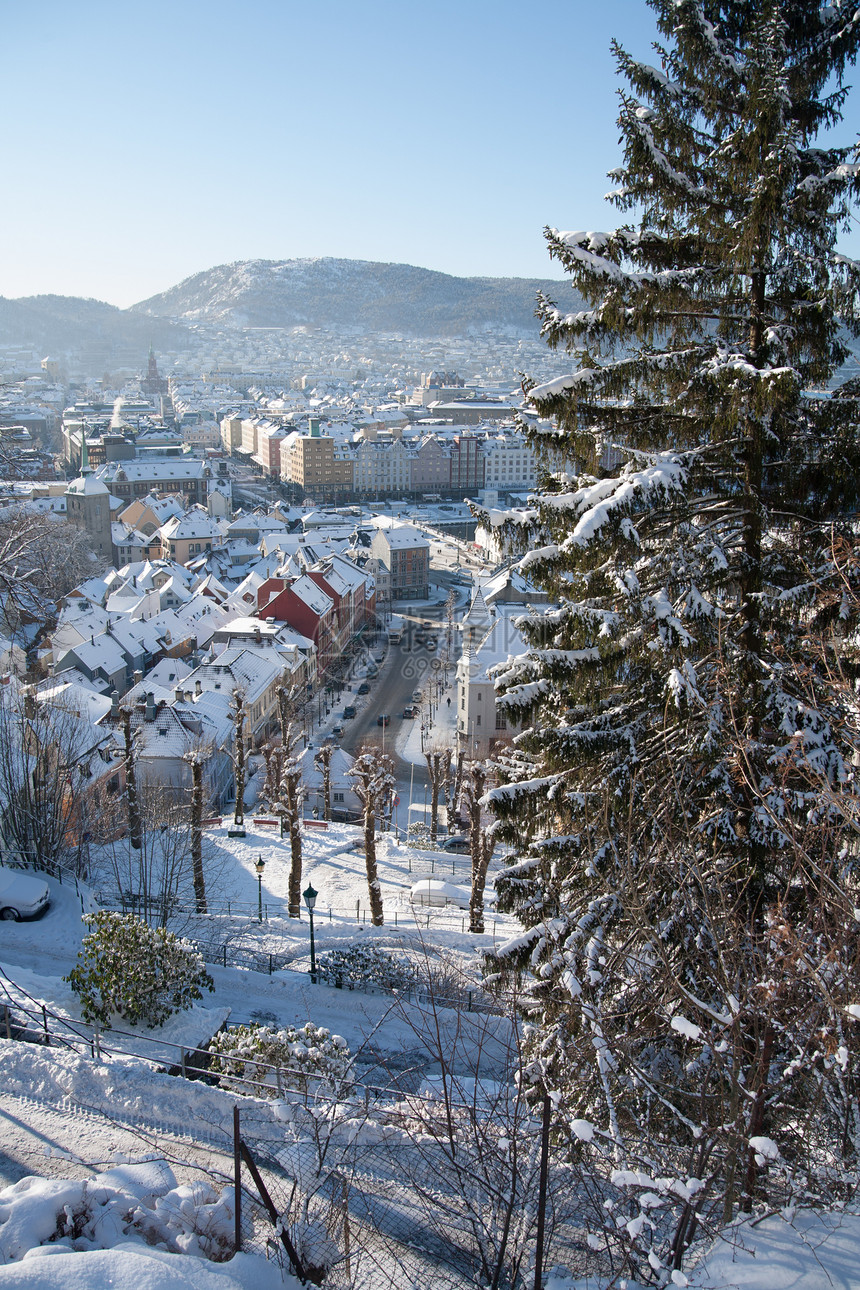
{"type": "Point", "coordinates": [306, 607]}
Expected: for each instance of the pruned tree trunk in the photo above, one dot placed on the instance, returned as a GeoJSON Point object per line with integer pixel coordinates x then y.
{"type": "Point", "coordinates": [374, 780]}
{"type": "Point", "coordinates": [455, 786]}
{"type": "Point", "coordinates": [373, 888]}
{"type": "Point", "coordinates": [239, 759]}
{"type": "Point", "coordinates": [197, 833]}
{"type": "Point", "coordinates": [480, 846]}
{"type": "Point", "coordinates": [323, 761]}
{"type": "Point", "coordinates": [292, 782]}
{"type": "Point", "coordinates": [291, 796]}
{"type": "Point", "coordinates": [134, 828]}
{"type": "Point", "coordinates": [438, 769]}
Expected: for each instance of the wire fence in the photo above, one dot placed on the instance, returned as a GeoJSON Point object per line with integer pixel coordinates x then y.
{"type": "Point", "coordinates": [419, 1179]}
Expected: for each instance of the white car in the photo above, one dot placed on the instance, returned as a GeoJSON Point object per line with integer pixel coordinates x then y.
{"type": "Point", "coordinates": [21, 895]}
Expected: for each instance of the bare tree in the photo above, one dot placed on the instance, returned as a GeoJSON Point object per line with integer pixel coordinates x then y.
{"type": "Point", "coordinates": [373, 776]}
{"type": "Point", "coordinates": [322, 760]}
{"type": "Point", "coordinates": [480, 843]}
{"type": "Point", "coordinates": [41, 560]}
{"type": "Point", "coordinates": [239, 761]}
{"type": "Point", "coordinates": [158, 879]}
{"type": "Point", "coordinates": [48, 756]}
{"type": "Point", "coordinates": [438, 771]}
{"type": "Point", "coordinates": [131, 796]}
{"type": "Point", "coordinates": [290, 794]}
{"type": "Point", "coordinates": [197, 758]}
{"type": "Point", "coordinates": [473, 1164]}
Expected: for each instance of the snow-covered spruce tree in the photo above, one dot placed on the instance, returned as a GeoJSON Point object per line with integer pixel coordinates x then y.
{"type": "Point", "coordinates": [681, 877]}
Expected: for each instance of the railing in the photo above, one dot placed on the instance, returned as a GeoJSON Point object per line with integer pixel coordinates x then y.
{"type": "Point", "coordinates": [29, 1020]}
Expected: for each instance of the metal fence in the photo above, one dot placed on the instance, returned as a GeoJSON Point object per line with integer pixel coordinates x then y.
{"type": "Point", "coordinates": [418, 1180]}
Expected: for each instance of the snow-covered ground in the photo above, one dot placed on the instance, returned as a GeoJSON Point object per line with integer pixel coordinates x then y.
{"type": "Point", "coordinates": [65, 1109]}
{"type": "Point", "coordinates": [69, 1118]}
{"type": "Point", "coordinates": [800, 1251]}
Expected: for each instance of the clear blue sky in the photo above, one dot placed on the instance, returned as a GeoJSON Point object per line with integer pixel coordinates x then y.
{"type": "Point", "coordinates": [145, 142]}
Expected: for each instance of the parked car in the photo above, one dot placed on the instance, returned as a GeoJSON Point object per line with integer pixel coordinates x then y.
{"type": "Point", "coordinates": [410, 711]}
{"type": "Point", "coordinates": [384, 720]}
{"type": "Point", "coordinates": [416, 696]}
{"type": "Point", "coordinates": [22, 895]}
{"type": "Point", "coordinates": [337, 732]}
{"type": "Point", "coordinates": [459, 842]}
{"type": "Point", "coordinates": [432, 643]}
{"type": "Point", "coordinates": [364, 688]}
{"type": "Point", "coordinates": [349, 712]}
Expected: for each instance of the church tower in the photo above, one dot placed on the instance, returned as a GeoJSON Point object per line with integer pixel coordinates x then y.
{"type": "Point", "coordinates": [88, 507]}
{"type": "Point", "coordinates": [152, 384]}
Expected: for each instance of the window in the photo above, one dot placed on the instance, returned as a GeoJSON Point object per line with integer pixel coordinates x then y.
{"type": "Point", "coordinates": [501, 723]}
{"type": "Point", "coordinates": [477, 720]}
{"type": "Point", "coordinates": [337, 797]}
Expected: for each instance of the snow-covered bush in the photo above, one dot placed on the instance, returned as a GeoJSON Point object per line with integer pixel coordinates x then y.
{"type": "Point", "coordinates": [140, 973]}
{"type": "Point", "coordinates": [137, 1202]}
{"type": "Point", "coordinates": [364, 965]}
{"type": "Point", "coordinates": [418, 835]}
{"type": "Point", "coordinates": [257, 1060]}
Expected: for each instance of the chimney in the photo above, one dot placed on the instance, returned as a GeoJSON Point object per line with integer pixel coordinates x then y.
{"type": "Point", "coordinates": [149, 711]}
{"type": "Point", "coordinates": [198, 687]}
{"type": "Point", "coordinates": [114, 705]}
{"type": "Point", "coordinates": [177, 694]}
{"type": "Point", "coordinates": [138, 677]}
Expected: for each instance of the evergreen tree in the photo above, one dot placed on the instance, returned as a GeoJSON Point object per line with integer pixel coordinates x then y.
{"type": "Point", "coordinates": [684, 884]}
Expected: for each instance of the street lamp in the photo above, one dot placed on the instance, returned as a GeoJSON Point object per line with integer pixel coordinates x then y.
{"type": "Point", "coordinates": [310, 900]}
{"type": "Point", "coordinates": [260, 866]}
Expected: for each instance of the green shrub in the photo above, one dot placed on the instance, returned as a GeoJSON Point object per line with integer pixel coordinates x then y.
{"type": "Point", "coordinates": [364, 965]}
{"type": "Point", "coordinates": [281, 1060]}
{"type": "Point", "coordinates": [128, 969]}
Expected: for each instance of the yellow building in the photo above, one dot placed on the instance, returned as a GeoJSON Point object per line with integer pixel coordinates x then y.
{"type": "Point", "coordinates": [318, 464]}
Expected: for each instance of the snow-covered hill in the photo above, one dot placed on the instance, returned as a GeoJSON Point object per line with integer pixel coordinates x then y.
{"type": "Point", "coordinates": [353, 293]}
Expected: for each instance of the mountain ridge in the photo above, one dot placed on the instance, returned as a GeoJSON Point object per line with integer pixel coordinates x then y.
{"type": "Point", "coordinates": [367, 294]}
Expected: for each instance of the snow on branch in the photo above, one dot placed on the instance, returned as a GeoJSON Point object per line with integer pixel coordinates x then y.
{"type": "Point", "coordinates": [665, 473]}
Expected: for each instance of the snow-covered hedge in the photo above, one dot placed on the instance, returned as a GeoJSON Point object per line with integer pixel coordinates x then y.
{"type": "Point", "coordinates": [140, 973]}
{"type": "Point", "coordinates": [257, 1060]}
{"type": "Point", "coordinates": [365, 965]}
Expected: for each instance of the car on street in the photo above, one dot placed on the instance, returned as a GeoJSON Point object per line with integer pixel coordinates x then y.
{"type": "Point", "coordinates": [349, 712]}
{"type": "Point", "coordinates": [337, 732]}
{"type": "Point", "coordinates": [364, 688]}
{"type": "Point", "coordinates": [416, 696]}
{"type": "Point", "coordinates": [410, 710]}
{"type": "Point", "coordinates": [22, 895]}
{"type": "Point", "coordinates": [459, 842]}
{"type": "Point", "coordinates": [384, 720]}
